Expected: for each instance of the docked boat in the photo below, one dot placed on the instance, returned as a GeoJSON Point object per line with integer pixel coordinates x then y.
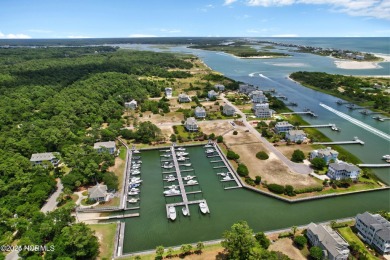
{"type": "Point", "coordinates": [167, 155]}
{"type": "Point", "coordinates": [203, 208]}
{"type": "Point", "coordinates": [134, 190]}
{"type": "Point", "coordinates": [135, 181]}
{"type": "Point", "coordinates": [136, 151]}
{"type": "Point", "coordinates": [181, 149]}
{"type": "Point", "coordinates": [208, 145]}
{"type": "Point", "coordinates": [209, 151]}
{"type": "Point", "coordinates": [223, 174]}
{"type": "Point", "coordinates": [170, 178]}
{"type": "Point", "coordinates": [181, 154]}
{"type": "Point", "coordinates": [135, 167]}
{"type": "Point", "coordinates": [167, 166]}
{"type": "Point", "coordinates": [172, 213]}
{"type": "Point", "coordinates": [133, 200]}
{"type": "Point", "coordinates": [335, 128]}
{"type": "Point", "coordinates": [135, 173]}
{"type": "Point", "coordinates": [364, 112]}
{"type": "Point", "coordinates": [172, 187]}
{"type": "Point", "coordinates": [186, 164]}
{"type": "Point", "coordinates": [192, 182]}
{"type": "Point", "coordinates": [185, 211]}
{"type": "Point", "coordinates": [386, 157]}
{"type": "Point", "coordinates": [136, 157]}
{"type": "Point", "coordinates": [133, 193]}
{"type": "Point", "coordinates": [227, 178]}
{"type": "Point", "coordinates": [134, 185]}
{"type": "Point", "coordinates": [188, 177]}
{"type": "Point", "coordinates": [171, 192]}
{"type": "Point", "coordinates": [350, 106]}
{"type": "Point", "coordinates": [181, 159]}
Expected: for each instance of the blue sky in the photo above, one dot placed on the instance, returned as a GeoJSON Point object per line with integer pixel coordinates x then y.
{"type": "Point", "coordinates": [172, 18]}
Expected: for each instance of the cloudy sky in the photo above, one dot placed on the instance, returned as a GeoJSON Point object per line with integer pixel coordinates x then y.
{"type": "Point", "coordinates": [171, 18]}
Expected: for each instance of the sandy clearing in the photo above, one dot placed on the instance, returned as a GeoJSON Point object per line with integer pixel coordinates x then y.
{"type": "Point", "coordinates": [218, 128]}
{"type": "Point", "coordinates": [285, 245]}
{"type": "Point", "coordinates": [356, 65]}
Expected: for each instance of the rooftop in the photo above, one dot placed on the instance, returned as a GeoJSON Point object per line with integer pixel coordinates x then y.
{"type": "Point", "coordinates": [110, 144]}
{"type": "Point", "coordinates": [97, 191]}
{"type": "Point", "coordinates": [340, 166]}
{"type": "Point", "coordinates": [36, 157]}
{"type": "Point", "coordinates": [378, 222]}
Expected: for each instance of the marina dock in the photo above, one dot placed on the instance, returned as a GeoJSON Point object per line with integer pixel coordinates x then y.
{"type": "Point", "coordinates": [317, 126]}
{"type": "Point", "coordinates": [178, 204]}
{"type": "Point", "coordinates": [310, 113]}
{"type": "Point", "coordinates": [227, 165]}
{"type": "Point", "coordinates": [357, 141]}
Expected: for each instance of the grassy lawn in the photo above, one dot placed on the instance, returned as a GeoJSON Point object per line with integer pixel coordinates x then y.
{"type": "Point", "coordinates": [122, 153]}
{"type": "Point", "coordinates": [347, 234]}
{"type": "Point", "coordinates": [106, 236]}
{"type": "Point", "coordinates": [113, 202]}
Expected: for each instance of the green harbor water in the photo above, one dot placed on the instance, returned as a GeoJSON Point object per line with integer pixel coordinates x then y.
{"type": "Point", "coordinates": [262, 213]}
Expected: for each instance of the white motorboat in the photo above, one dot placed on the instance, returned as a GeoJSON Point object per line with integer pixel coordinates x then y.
{"type": "Point", "coordinates": [181, 159]}
{"type": "Point", "coordinates": [134, 185]}
{"type": "Point", "coordinates": [192, 182]}
{"type": "Point", "coordinates": [133, 200]}
{"type": "Point", "coordinates": [188, 177]}
{"type": "Point", "coordinates": [209, 151]}
{"type": "Point", "coordinates": [170, 179]}
{"type": "Point", "coordinates": [227, 178]}
{"type": "Point", "coordinates": [167, 166]}
{"type": "Point", "coordinates": [136, 151]}
{"type": "Point", "coordinates": [172, 213]}
{"type": "Point", "coordinates": [134, 190]}
{"type": "Point", "coordinates": [186, 164]}
{"type": "Point", "coordinates": [167, 155]}
{"type": "Point", "coordinates": [136, 157]}
{"type": "Point", "coordinates": [135, 173]}
{"type": "Point", "coordinates": [172, 192]}
{"type": "Point", "coordinates": [223, 174]}
{"type": "Point", "coordinates": [138, 162]}
{"type": "Point", "coordinates": [185, 211]}
{"type": "Point", "coordinates": [181, 149]}
{"type": "Point", "coordinates": [133, 193]}
{"type": "Point", "coordinates": [172, 187]}
{"type": "Point", "coordinates": [203, 208]}
{"type": "Point", "coordinates": [135, 167]}
{"type": "Point", "coordinates": [208, 145]}
{"type": "Point", "coordinates": [181, 154]}
{"type": "Point", "coordinates": [135, 181]}
{"type": "Point", "coordinates": [386, 157]}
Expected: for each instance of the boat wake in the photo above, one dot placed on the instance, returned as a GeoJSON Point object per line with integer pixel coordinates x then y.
{"type": "Point", "coordinates": [358, 123]}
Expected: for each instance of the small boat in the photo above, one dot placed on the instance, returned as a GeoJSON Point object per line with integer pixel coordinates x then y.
{"type": "Point", "coordinates": [136, 157]}
{"type": "Point", "coordinates": [167, 155]}
{"type": "Point", "coordinates": [381, 119]}
{"type": "Point", "coordinates": [192, 182]}
{"type": "Point", "coordinates": [134, 190]}
{"type": "Point", "coordinates": [186, 164]}
{"type": "Point", "coordinates": [135, 181]}
{"type": "Point", "coordinates": [386, 157]}
{"type": "Point", "coordinates": [223, 174]}
{"type": "Point", "coordinates": [208, 145]}
{"type": "Point", "coordinates": [181, 149]}
{"type": "Point", "coordinates": [181, 154]}
{"type": "Point", "coordinates": [227, 178]}
{"type": "Point", "coordinates": [185, 211]}
{"type": "Point", "coordinates": [172, 192]}
{"type": "Point", "coordinates": [181, 159]}
{"type": "Point", "coordinates": [364, 112]}
{"type": "Point", "coordinates": [350, 106]}
{"type": "Point", "coordinates": [339, 102]}
{"type": "Point", "coordinates": [209, 151]}
{"type": "Point", "coordinates": [170, 179]}
{"type": "Point", "coordinates": [203, 208]}
{"type": "Point", "coordinates": [135, 173]}
{"type": "Point", "coordinates": [135, 167]}
{"type": "Point", "coordinates": [134, 185]}
{"type": "Point", "coordinates": [172, 187]}
{"type": "Point", "coordinates": [335, 128]}
{"type": "Point", "coordinates": [166, 151]}
{"type": "Point", "coordinates": [172, 213]}
{"type": "Point", "coordinates": [188, 177]}
{"type": "Point", "coordinates": [136, 151]}
{"type": "Point", "coordinates": [133, 200]}
{"type": "Point", "coordinates": [167, 166]}
{"type": "Point", "coordinates": [133, 193]}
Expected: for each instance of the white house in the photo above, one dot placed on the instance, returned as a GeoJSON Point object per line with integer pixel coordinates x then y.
{"type": "Point", "coordinates": [228, 110]}
{"type": "Point", "coordinates": [246, 88]}
{"type": "Point", "coordinates": [340, 170]}
{"type": "Point", "coordinates": [327, 154]}
{"type": "Point", "coordinates": [333, 245]}
{"type": "Point", "coordinates": [212, 94]}
{"type": "Point", "coordinates": [262, 110]}
{"type": "Point", "coordinates": [168, 92]}
{"type": "Point", "coordinates": [295, 135]}
{"type": "Point", "coordinates": [98, 192]}
{"type": "Point", "coordinates": [191, 125]}
{"type": "Point", "coordinates": [374, 230]}
{"type": "Point", "coordinates": [283, 127]}
{"type": "Point", "coordinates": [258, 97]}
{"type": "Point", "coordinates": [183, 98]}
{"type": "Point", "coordinates": [101, 146]}
{"type": "Point", "coordinates": [39, 158]}
{"type": "Point", "coordinates": [200, 112]}
{"type": "Point", "coordinates": [219, 87]}
{"type": "Point", "coordinates": [132, 104]}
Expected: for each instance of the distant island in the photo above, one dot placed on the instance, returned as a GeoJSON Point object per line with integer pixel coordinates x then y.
{"type": "Point", "coordinates": [240, 49]}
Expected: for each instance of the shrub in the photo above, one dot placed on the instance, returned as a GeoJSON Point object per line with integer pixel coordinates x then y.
{"type": "Point", "coordinates": [309, 189]}
{"type": "Point", "coordinates": [276, 188]}
{"type": "Point", "coordinates": [175, 129]}
{"type": "Point", "coordinates": [300, 241]}
{"type": "Point", "coordinates": [249, 181]}
{"type": "Point", "coordinates": [235, 132]}
{"type": "Point", "coordinates": [285, 234]}
{"type": "Point", "coordinates": [318, 163]}
{"type": "Point", "coordinates": [262, 155]}
{"type": "Point", "coordinates": [289, 190]}
{"type": "Point", "coordinates": [220, 139]}
{"type": "Point", "coordinates": [232, 155]}
{"type": "Point", "coordinates": [297, 156]}
{"type": "Point", "coordinates": [242, 170]}
{"type": "Point", "coordinates": [257, 180]}
{"type": "Point", "coordinates": [316, 253]}
{"type": "Point", "coordinates": [262, 239]}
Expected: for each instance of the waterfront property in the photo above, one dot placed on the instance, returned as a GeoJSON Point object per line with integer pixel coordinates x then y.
{"type": "Point", "coordinates": [200, 112]}
{"type": "Point", "coordinates": [212, 94]}
{"type": "Point", "coordinates": [132, 104]}
{"type": "Point", "coordinates": [296, 135]}
{"type": "Point", "coordinates": [191, 125]}
{"type": "Point", "coordinates": [283, 127]}
{"type": "Point", "coordinates": [105, 146]}
{"type": "Point", "coordinates": [246, 88]}
{"type": "Point", "coordinates": [374, 230]}
{"type": "Point", "coordinates": [332, 244]}
{"type": "Point", "coordinates": [39, 158]}
{"type": "Point", "coordinates": [98, 192]}
{"type": "Point", "coordinates": [228, 110]}
{"type": "Point", "coordinates": [340, 170]}
{"type": "Point", "coordinates": [262, 110]}
{"type": "Point", "coordinates": [327, 154]}
{"type": "Point", "coordinates": [219, 87]}
{"type": "Point", "coordinates": [184, 98]}
{"type": "Point", "coordinates": [258, 97]}
{"type": "Point", "coordinates": [168, 92]}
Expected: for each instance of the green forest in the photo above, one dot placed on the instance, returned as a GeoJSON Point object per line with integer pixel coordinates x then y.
{"type": "Point", "coordinates": [56, 100]}
{"type": "Point", "coordinates": [354, 89]}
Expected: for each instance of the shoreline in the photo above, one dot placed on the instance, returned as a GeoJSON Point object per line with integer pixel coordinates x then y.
{"type": "Point", "coordinates": [359, 65]}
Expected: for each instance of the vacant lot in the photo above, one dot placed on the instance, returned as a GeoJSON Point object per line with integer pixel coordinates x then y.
{"type": "Point", "coordinates": [216, 127]}
{"type": "Point", "coordinates": [286, 246]}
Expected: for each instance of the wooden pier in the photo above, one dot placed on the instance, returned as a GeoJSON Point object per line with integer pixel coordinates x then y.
{"type": "Point", "coordinates": [301, 113]}
{"type": "Point", "coordinates": [342, 142]}
{"type": "Point", "coordinates": [379, 165]}
{"type": "Point", "coordinates": [317, 126]}
{"type": "Point", "coordinates": [227, 165]}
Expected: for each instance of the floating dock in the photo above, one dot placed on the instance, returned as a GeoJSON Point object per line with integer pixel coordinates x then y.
{"type": "Point", "coordinates": [357, 141]}
{"type": "Point", "coordinates": [184, 204]}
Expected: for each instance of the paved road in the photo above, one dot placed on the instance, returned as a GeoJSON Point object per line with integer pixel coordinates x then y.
{"type": "Point", "coordinates": [295, 167]}
{"type": "Point", "coordinates": [51, 203]}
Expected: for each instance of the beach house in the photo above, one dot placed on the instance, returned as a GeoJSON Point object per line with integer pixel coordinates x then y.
{"type": "Point", "coordinates": [98, 192]}
{"type": "Point", "coordinates": [283, 127]}
{"type": "Point", "coordinates": [212, 94]}
{"type": "Point", "coordinates": [183, 98]}
{"type": "Point", "coordinates": [219, 87]}
{"type": "Point", "coordinates": [132, 104]}
{"type": "Point", "coordinates": [200, 112]}
{"type": "Point", "coordinates": [228, 110]}
{"type": "Point", "coordinates": [340, 170]}
{"type": "Point", "coordinates": [191, 125]}
{"type": "Point", "coordinates": [333, 245]}
{"type": "Point", "coordinates": [296, 135]}
{"type": "Point", "coordinates": [168, 92]}
{"type": "Point", "coordinates": [246, 88]}
{"type": "Point", "coordinates": [327, 154]}
{"type": "Point", "coordinates": [374, 230]}
{"type": "Point", "coordinates": [39, 158]}
{"type": "Point", "coordinates": [105, 146]}
{"type": "Point", "coordinates": [258, 97]}
{"type": "Point", "coordinates": [262, 110]}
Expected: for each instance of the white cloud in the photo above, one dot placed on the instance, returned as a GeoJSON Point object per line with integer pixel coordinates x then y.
{"type": "Point", "coordinates": [371, 8]}
{"type": "Point", "coordinates": [285, 35]}
{"type": "Point", "coordinates": [14, 36]}
{"type": "Point", "coordinates": [140, 35]}
{"type": "Point", "coordinates": [78, 36]}
{"type": "Point", "coordinates": [229, 2]}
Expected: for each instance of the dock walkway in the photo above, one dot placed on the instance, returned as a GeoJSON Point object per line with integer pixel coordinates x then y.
{"type": "Point", "coordinates": [184, 204]}
{"type": "Point", "coordinates": [378, 165]}
{"type": "Point", "coordinates": [342, 142]}
{"type": "Point", "coordinates": [227, 165]}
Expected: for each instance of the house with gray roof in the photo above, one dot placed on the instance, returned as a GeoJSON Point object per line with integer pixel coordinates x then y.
{"type": "Point", "coordinates": [212, 94]}
{"type": "Point", "coordinates": [327, 154]}
{"type": "Point", "coordinates": [374, 230]}
{"type": "Point", "coordinates": [98, 192]}
{"type": "Point", "coordinates": [132, 104]}
{"type": "Point", "coordinates": [246, 88]}
{"type": "Point", "coordinates": [262, 110]}
{"type": "Point", "coordinates": [258, 97]}
{"type": "Point", "coordinates": [168, 92]}
{"type": "Point", "coordinates": [228, 110]}
{"type": "Point", "coordinates": [295, 135]}
{"type": "Point", "coordinates": [333, 245]}
{"type": "Point", "coordinates": [283, 127]}
{"type": "Point", "coordinates": [340, 170]}
{"type": "Point", "coordinates": [184, 98]}
{"type": "Point", "coordinates": [200, 112]}
{"type": "Point", "coordinates": [219, 87]}
{"type": "Point", "coordinates": [39, 158]}
{"type": "Point", "coordinates": [105, 146]}
{"type": "Point", "coordinates": [191, 125]}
